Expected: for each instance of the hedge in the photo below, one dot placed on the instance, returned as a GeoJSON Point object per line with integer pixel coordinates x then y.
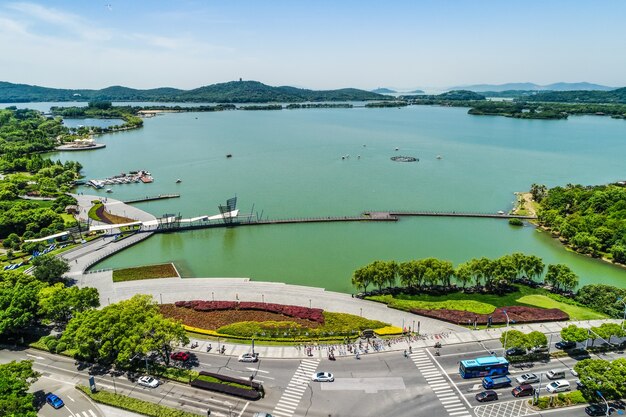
{"type": "Point", "coordinates": [133, 404]}
{"type": "Point", "coordinates": [227, 385]}
{"type": "Point", "coordinates": [313, 314]}
{"type": "Point", "coordinates": [560, 400]}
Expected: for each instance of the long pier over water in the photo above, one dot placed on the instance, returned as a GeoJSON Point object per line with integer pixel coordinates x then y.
{"type": "Point", "coordinates": [367, 216]}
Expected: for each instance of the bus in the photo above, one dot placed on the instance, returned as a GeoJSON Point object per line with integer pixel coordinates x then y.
{"type": "Point", "coordinates": [485, 366]}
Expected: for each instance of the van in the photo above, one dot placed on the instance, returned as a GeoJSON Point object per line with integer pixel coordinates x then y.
{"type": "Point", "coordinates": [496, 382]}
{"type": "Point", "coordinates": [540, 349]}
{"type": "Point", "coordinates": [556, 374]}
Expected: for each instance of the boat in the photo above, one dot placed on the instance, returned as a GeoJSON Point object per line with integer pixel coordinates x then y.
{"type": "Point", "coordinates": [109, 190]}
{"type": "Point", "coordinates": [178, 181]}
{"type": "Point", "coordinates": [229, 155]}
{"type": "Point", "coordinates": [439, 157]}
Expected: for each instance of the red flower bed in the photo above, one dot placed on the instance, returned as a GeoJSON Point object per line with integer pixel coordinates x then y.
{"type": "Point", "coordinates": [517, 314]}
{"type": "Point", "coordinates": [313, 314]}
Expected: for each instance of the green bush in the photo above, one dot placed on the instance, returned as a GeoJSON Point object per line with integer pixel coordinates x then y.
{"type": "Point", "coordinates": [61, 346]}
{"type": "Point", "coordinates": [516, 222]}
{"type": "Point", "coordinates": [175, 374]}
{"type": "Point", "coordinates": [51, 344]}
{"type": "Point", "coordinates": [133, 404]}
{"type": "Point", "coordinates": [560, 400]}
{"type": "Point", "coordinates": [335, 324]}
{"type": "Point", "coordinates": [406, 305]}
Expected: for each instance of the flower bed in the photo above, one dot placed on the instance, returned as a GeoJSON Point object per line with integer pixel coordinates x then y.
{"type": "Point", "coordinates": [518, 314]}
{"type": "Point", "coordinates": [312, 314]}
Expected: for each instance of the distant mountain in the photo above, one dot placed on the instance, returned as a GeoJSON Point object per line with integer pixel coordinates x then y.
{"type": "Point", "coordinates": [534, 87]}
{"type": "Point", "coordinates": [230, 92]}
{"type": "Point", "coordinates": [416, 92]}
{"type": "Point", "coordinates": [383, 90]}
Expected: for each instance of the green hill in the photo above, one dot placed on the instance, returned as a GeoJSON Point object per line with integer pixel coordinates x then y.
{"type": "Point", "coordinates": [580, 96]}
{"type": "Point", "coordinates": [230, 92]}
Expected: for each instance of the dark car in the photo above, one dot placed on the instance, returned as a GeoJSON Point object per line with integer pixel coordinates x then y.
{"type": "Point", "coordinates": [565, 344]}
{"type": "Point", "coordinates": [596, 410]}
{"type": "Point", "coordinates": [54, 401]}
{"type": "Point", "coordinates": [579, 354]}
{"type": "Point", "coordinates": [515, 351]}
{"type": "Point", "coordinates": [523, 390]}
{"type": "Point", "coordinates": [180, 356]}
{"type": "Point", "coordinates": [486, 396]}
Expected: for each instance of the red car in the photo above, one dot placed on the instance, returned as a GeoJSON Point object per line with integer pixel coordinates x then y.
{"type": "Point", "coordinates": [180, 356]}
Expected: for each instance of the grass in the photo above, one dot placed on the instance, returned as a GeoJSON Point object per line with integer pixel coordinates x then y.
{"type": "Point", "coordinates": [479, 303]}
{"type": "Point", "coordinates": [408, 304]}
{"type": "Point", "coordinates": [574, 312]}
{"type": "Point", "coordinates": [133, 404]}
{"type": "Point", "coordinates": [145, 272]}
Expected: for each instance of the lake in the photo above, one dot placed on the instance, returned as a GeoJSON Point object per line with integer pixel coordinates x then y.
{"type": "Point", "coordinates": [289, 164]}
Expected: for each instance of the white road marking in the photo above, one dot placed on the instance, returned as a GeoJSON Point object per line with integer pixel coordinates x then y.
{"type": "Point", "coordinates": [70, 398]}
{"type": "Point", "coordinates": [36, 357]}
{"type": "Point", "coordinates": [244, 409]}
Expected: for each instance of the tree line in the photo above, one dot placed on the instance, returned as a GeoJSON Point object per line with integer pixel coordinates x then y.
{"type": "Point", "coordinates": [589, 219]}
{"type": "Point", "coordinates": [494, 275]}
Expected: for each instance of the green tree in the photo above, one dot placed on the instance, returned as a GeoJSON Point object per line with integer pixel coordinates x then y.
{"type": "Point", "coordinates": [513, 338]}
{"type": "Point", "coordinates": [59, 304]}
{"type": "Point", "coordinates": [15, 379]}
{"type": "Point", "coordinates": [608, 330]}
{"type": "Point", "coordinates": [573, 333]}
{"type": "Point", "coordinates": [50, 269]}
{"type": "Point", "coordinates": [536, 339]}
{"type": "Point", "coordinates": [18, 301]}
{"type": "Point", "coordinates": [119, 332]}
{"type": "Point", "coordinates": [561, 277]}
{"type": "Point", "coordinates": [463, 274]}
{"type": "Point", "coordinates": [411, 274]}
{"type": "Point", "coordinates": [533, 266]}
{"type": "Point", "coordinates": [600, 375]}
{"type": "Point", "coordinates": [362, 278]}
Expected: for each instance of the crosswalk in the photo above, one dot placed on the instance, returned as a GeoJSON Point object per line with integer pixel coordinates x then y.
{"type": "Point", "coordinates": [446, 394]}
{"type": "Point", "coordinates": [290, 399]}
{"type": "Point", "coordinates": [88, 413]}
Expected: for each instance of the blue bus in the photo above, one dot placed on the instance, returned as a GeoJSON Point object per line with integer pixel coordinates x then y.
{"type": "Point", "coordinates": [485, 366]}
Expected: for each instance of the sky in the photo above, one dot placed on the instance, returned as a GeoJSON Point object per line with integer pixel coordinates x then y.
{"type": "Point", "coordinates": [316, 44]}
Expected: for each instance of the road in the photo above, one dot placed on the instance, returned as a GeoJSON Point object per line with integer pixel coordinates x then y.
{"type": "Point", "coordinates": [422, 384]}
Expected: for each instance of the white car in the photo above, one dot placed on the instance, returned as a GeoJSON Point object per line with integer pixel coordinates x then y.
{"type": "Point", "coordinates": [323, 377]}
{"type": "Point", "coordinates": [148, 381]}
{"type": "Point", "coordinates": [248, 357]}
{"type": "Point", "coordinates": [527, 379]}
{"type": "Point", "coordinates": [558, 386]}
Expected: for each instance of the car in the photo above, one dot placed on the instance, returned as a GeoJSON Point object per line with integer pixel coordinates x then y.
{"type": "Point", "coordinates": [579, 384]}
{"type": "Point", "coordinates": [148, 381]}
{"type": "Point", "coordinates": [486, 396]}
{"type": "Point", "coordinates": [515, 351]}
{"type": "Point", "coordinates": [573, 372]}
{"type": "Point", "coordinates": [579, 354]}
{"type": "Point", "coordinates": [523, 390]}
{"type": "Point", "coordinates": [596, 410]}
{"type": "Point", "coordinates": [54, 401]}
{"type": "Point", "coordinates": [565, 344]}
{"type": "Point", "coordinates": [323, 377]}
{"type": "Point", "coordinates": [180, 356]}
{"type": "Point", "coordinates": [540, 349]}
{"type": "Point", "coordinates": [527, 379]}
{"type": "Point", "coordinates": [558, 386]}
{"type": "Point", "coordinates": [248, 357]}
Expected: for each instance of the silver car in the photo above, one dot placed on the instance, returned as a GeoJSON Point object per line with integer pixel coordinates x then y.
{"type": "Point", "coordinates": [527, 379]}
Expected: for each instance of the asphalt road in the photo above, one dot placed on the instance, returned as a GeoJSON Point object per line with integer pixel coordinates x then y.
{"type": "Point", "coordinates": [382, 384]}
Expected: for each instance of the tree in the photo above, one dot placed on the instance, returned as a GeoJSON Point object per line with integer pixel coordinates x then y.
{"type": "Point", "coordinates": [600, 375]}
{"type": "Point", "coordinates": [603, 298]}
{"type": "Point", "coordinates": [607, 330]}
{"type": "Point", "coordinates": [561, 277]}
{"type": "Point", "coordinates": [119, 332]}
{"type": "Point", "coordinates": [463, 274]}
{"type": "Point", "coordinates": [538, 192]}
{"type": "Point", "coordinates": [533, 266]}
{"type": "Point", "coordinates": [573, 333]}
{"type": "Point", "coordinates": [50, 269]}
{"type": "Point", "coordinates": [59, 304]}
{"type": "Point", "coordinates": [18, 301]}
{"type": "Point", "coordinates": [362, 278]}
{"type": "Point", "coordinates": [536, 339]}
{"type": "Point", "coordinates": [513, 338]}
{"type": "Point", "coordinates": [15, 379]}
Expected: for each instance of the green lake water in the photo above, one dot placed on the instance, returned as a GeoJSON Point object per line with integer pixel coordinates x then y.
{"type": "Point", "coordinates": [288, 164]}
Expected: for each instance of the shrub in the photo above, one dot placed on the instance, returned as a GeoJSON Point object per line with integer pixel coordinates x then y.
{"type": "Point", "coordinates": [61, 346]}
{"type": "Point", "coordinates": [133, 404]}
{"type": "Point", "coordinates": [51, 344]}
{"type": "Point", "coordinates": [519, 314]}
{"type": "Point", "coordinates": [388, 331]}
{"type": "Point", "coordinates": [313, 314]}
{"type": "Point", "coordinates": [516, 222]}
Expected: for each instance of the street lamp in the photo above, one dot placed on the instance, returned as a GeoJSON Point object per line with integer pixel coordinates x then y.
{"type": "Point", "coordinates": [608, 409]}
{"type": "Point", "coordinates": [506, 334]}
{"type": "Point", "coordinates": [623, 302]}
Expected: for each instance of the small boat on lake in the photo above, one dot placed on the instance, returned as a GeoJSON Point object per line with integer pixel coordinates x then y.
{"type": "Point", "coordinates": [229, 155]}
{"type": "Point", "coordinates": [109, 190]}
{"type": "Point", "coordinates": [178, 181]}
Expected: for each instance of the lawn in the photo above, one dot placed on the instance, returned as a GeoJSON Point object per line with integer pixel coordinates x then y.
{"type": "Point", "coordinates": [486, 303]}
{"type": "Point", "coordinates": [145, 272]}
{"type": "Point", "coordinates": [574, 312]}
